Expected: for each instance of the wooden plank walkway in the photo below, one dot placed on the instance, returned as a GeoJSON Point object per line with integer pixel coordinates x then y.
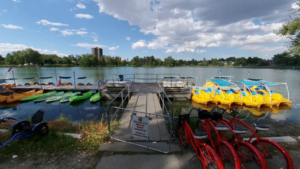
{"type": "Point", "coordinates": [144, 102]}
{"type": "Point", "coordinates": [53, 88]}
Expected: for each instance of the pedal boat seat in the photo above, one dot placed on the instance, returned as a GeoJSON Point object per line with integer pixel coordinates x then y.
{"type": "Point", "coordinates": [221, 127]}
{"type": "Point", "coordinates": [239, 130]}
{"type": "Point", "coordinates": [200, 134]}
{"type": "Point", "coordinates": [261, 127]}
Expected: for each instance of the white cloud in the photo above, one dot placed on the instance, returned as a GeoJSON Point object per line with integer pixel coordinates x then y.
{"type": "Point", "coordinates": [87, 45]}
{"type": "Point", "coordinates": [10, 26]}
{"type": "Point", "coordinates": [8, 48]}
{"type": "Point", "coordinates": [114, 48]}
{"type": "Point", "coordinates": [200, 51]}
{"type": "Point", "coordinates": [67, 32]}
{"type": "Point", "coordinates": [81, 33]}
{"type": "Point", "coordinates": [139, 44]}
{"type": "Point", "coordinates": [295, 6]}
{"type": "Point", "coordinates": [95, 37]}
{"type": "Point", "coordinates": [84, 16]}
{"type": "Point", "coordinates": [53, 29]}
{"type": "Point", "coordinates": [183, 27]}
{"type": "Point", "coordinates": [16, 0]}
{"type": "Point", "coordinates": [47, 23]}
{"type": "Point", "coordinates": [264, 49]}
{"type": "Point", "coordinates": [81, 6]}
{"type": "Point", "coordinates": [128, 38]}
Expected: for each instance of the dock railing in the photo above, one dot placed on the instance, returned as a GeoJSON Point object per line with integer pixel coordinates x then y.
{"type": "Point", "coordinates": [152, 78]}
{"type": "Point", "coordinates": [167, 115]}
{"type": "Point", "coordinates": [121, 94]}
{"type": "Point", "coordinates": [162, 96]}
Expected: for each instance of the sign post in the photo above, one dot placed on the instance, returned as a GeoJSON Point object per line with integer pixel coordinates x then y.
{"type": "Point", "coordinates": [140, 127]}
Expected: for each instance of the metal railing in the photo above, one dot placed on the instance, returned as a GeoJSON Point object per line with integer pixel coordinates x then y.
{"type": "Point", "coordinates": [113, 110]}
{"type": "Point", "coordinates": [164, 107]}
{"type": "Point", "coordinates": [146, 77]}
{"type": "Point", "coordinates": [122, 100]}
{"type": "Point", "coordinates": [136, 143]}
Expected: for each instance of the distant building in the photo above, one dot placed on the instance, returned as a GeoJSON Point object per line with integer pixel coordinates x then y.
{"type": "Point", "coordinates": [98, 52]}
{"type": "Point", "coordinates": [118, 58]}
{"type": "Point", "coordinates": [77, 56]}
{"type": "Point", "coordinates": [70, 55]}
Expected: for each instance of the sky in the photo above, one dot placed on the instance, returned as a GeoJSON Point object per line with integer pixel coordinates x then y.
{"type": "Point", "coordinates": [190, 29]}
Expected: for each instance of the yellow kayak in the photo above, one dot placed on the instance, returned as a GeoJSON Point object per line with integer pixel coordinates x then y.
{"type": "Point", "coordinates": [4, 98]}
{"type": "Point", "coordinates": [17, 98]}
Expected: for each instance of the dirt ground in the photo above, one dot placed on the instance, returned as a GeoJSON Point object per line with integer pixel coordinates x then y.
{"type": "Point", "coordinates": [45, 161]}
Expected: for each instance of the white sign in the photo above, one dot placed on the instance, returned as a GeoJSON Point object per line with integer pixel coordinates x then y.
{"type": "Point", "coordinates": [140, 127]}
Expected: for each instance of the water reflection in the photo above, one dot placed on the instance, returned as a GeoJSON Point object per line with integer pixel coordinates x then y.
{"type": "Point", "coordinates": [77, 112]}
{"type": "Point", "coordinates": [249, 115]}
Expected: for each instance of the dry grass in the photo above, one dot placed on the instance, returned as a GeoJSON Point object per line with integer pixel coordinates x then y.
{"type": "Point", "coordinates": [63, 124]}
{"type": "Point", "coordinates": [96, 133]}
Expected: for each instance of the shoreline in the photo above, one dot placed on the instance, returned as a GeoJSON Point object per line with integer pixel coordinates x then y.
{"type": "Point", "coordinates": [253, 67]}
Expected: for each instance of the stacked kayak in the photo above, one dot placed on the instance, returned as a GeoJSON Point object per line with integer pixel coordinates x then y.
{"type": "Point", "coordinates": [84, 96]}
{"type": "Point", "coordinates": [48, 97]}
{"type": "Point", "coordinates": [37, 96]}
{"type": "Point", "coordinates": [3, 98]}
{"type": "Point", "coordinates": [17, 98]}
{"type": "Point", "coordinates": [60, 97]}
{"type": "Point", "coordinates": [96, 97]}
{"type": "Point", "coordinates": [67, 98]}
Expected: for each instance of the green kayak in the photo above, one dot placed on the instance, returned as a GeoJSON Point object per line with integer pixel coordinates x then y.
{"type": "Point", "coordinates": [48, 97]}
{"type": "Point", "coordinates": [81, 97]}
{"type": "Point", "coordinates": [96, 97]}
{"type": "Point", "coordinates": [67, 98]}
{"type": "Point", "coordinates": [59, 97]}
{"type": "Point", "coordinates": [37, 96]}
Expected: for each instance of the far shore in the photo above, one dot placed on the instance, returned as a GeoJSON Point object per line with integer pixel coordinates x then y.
{"type": "Point", "coordinates": [211, 66]}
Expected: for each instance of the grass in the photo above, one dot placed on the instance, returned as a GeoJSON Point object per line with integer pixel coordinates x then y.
{"type": "Point", "coordinates": [93, 135]}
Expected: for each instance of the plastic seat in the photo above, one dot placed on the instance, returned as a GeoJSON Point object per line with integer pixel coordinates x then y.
{"type": "Point", "coordinates": [239, 130]}
{"type": "Point", "coordinates": [221, 127]}
{"type": "Point", "coordinates": [261, 127]}
{"type": "Point", "coordinates": [200, 134]}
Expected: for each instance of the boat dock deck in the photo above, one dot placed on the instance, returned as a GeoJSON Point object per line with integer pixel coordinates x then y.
{"type": "Point", "coordinates": [110, 92]}
{"type": "Point", "coordinates": [144, 102]}
{"type": "Point", "coordinates": [56, 88]}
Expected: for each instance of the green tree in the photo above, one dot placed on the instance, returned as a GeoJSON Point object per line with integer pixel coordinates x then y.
{"type": "Point", "coordinates": [169, 61]}
{"type": "Point", "coordinates": [292, 31]}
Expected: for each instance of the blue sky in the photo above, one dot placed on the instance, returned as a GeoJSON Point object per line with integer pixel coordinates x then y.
{"type": "Point", "coordinates": [182, 29]}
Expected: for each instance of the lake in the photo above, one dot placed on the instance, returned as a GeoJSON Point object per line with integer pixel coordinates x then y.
{"type": "Point", "coordinates": [85, 110]}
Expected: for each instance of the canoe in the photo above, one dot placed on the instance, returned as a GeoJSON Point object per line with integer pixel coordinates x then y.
{"type": "Point", "coordinates": [59, 97]}
{"type": "Point", "coordinates": [81, 97]}
{"type": "Point", "coordinates": [17, 98]}
{"type": "Point", "coordinates": [37, 96]}
{"type": "Point", "coordinates": [48, 97]}
{"type": "Point", "coordinates": [96, 97]}
{"type": "Point", "coordinates": [67, 98]}
{"type": "Point", "coordinates": [3, 98]}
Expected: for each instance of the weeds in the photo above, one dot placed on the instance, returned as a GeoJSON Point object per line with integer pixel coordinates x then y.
{"type": "Point", "coordinates": [93, 135]}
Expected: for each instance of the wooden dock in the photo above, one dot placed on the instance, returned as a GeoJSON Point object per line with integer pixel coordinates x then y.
{"type": "Point", "coordinates": [59, 88]}
{"type": "Point", "coordinates": [144, 102]}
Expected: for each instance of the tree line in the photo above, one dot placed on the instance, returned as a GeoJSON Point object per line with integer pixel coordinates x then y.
{"type": "Point", "coordinates": [31, 56]}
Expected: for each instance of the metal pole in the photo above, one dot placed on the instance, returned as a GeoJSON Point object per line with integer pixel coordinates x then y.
{"type": "Point", "coordinates": [74, 81]}
{"type": "Point", "coordinates": [14, 78]}
{"type": "Point", "coordinates": [39, 76]}
{"type": "Point", "coordinates": [55, 75]}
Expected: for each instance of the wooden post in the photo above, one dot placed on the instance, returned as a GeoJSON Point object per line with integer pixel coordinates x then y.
{"type": "Point", "coordinates": [14, 78]}
{"type": "Point", "coordinates": [74, 82]}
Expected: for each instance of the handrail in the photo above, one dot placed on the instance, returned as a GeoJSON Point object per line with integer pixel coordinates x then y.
{"type": "Point", "coordinates": [164, 105]}
{"type": "Point", "coordinates": [122, 102]}
{"type": "Point", "coordinates": [154, 114]}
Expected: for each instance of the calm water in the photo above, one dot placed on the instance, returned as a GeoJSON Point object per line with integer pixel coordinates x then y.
{"type": "Point", "coordinates": [85, 110]}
